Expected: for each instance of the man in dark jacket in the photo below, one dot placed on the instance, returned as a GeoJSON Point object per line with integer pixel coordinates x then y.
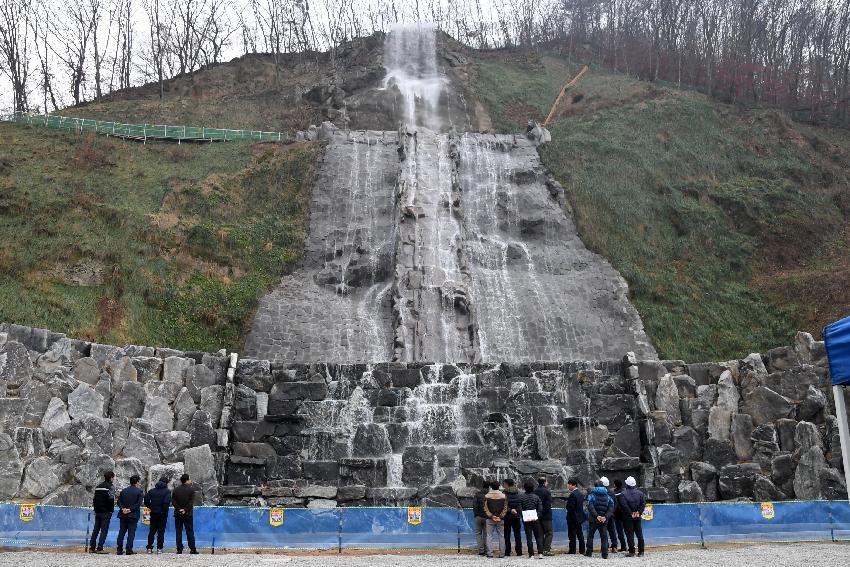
{"type": "Point", "coordinates": [481, 519]}
{"type": "Point", "coordinates": [633, 502]}
{"type": "Point", "coordinates": [542, 491]}
{"type": "Point", "coordinates": [618, 514]}
{"type": "Point", "coordinates": [575, 517]}
{"type": "Point", "coordinates": [158, 501]}
{"type": "Point", "coordinates": [129, 511]}
{"type": "Point", "coordinates": [513, 521]}
{"type": "Point", "coordinates": [600, 510]}
{"type": "Point", "coordinates": [103, 504]}
{"type": "Point", "coordinates": [532, 508]}
{"type": "Point", "coordinates": [183, 499]}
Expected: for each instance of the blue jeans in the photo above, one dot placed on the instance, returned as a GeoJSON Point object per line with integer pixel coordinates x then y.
{"type": "Point", "coordinates": [101, 528]}
{"type": "Point", "coordinates": [128, 528]}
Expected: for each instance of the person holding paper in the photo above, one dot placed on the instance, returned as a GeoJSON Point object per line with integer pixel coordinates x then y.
{"type": "Point", "coordinates": [532, 508]}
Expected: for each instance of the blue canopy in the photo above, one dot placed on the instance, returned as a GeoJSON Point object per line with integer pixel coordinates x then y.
{"type": "Point", "coordinates": [836, 336]}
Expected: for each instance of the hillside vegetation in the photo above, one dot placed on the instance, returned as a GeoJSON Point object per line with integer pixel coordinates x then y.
{"type": "Point", "coordinates": [730, 225]}
{"type": "Point", "coordinates": [156, 244]}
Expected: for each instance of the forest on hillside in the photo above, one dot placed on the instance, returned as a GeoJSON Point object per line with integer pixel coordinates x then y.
{"type": "Point", "coordinates": [791, 54]}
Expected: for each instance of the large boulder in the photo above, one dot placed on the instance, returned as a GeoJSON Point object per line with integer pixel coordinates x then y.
{"type": "Point", "coordinates": [69, 495]}
{"type": "Point", "coordinates": [690, 491]}
{"type": "Point", "coordinates": [172, 444]}
{"type": "Point", "coordinates": [42, 476]}
{"type": "Point", "coordinates": [85, 400]}
{"type": "Point", "coordinates": [371, 440]}
{"type": "Point", "coordinates": [125, 468]}
{"type": "Point", "coordinates": [87, 370]}
{"type": "Point", "coordinates": [667, 399]}
{"type": "Point", "coordinates": [719, 423]}
{"type": "Point", "coordinates": [807, 477]}
{"type": "Point", "coordinates": [175, 369]}
{"type": "Point", "coordinates": [121, 369]}
{"type": "Point", "coordinates": [245, 403]}
{"type": "Point", "coordinates": [171, 471]}
{"type": "Point", "coordinates": [56, 419]}
{"type": "Point", "coordinates": [255, 374]}
{"type": "Point", "coordinates": [16, 368]}
{"type": "Point", "coordinates": [200, 466]}
{"type": "Point", "coordinates": [212, 401]}
{"type": "Point", "coordinates": [11, 467]}
{"type": "Point", "coordinates": [201, 431]}
{"type": "Point", "coordinates": [765, 491]}
{"type": "Point", "coordinates": [129, 400]}
{"type": "Point", "coordinates": [31, 442]}
{"type": "Point", "coordinates": [806, 436]}
{"type": "Point", "coordinates": [766, 406]}
{"type": "Point", "coordinates": [89, 472]}
{"type": "Point", "coordinates": [92, 433]}
{"type": "Point", "coordinates": [148, 368]}
{"type": "Point", "coordinates": [812, 405]}
{"type": "Point", "coordinates": [741, 433]}
{"type": "Point", "coordinates": [159, 414]}
{"type": "Point", "coordinates": [719, 453]}
{"type": "Point", "coordinates": [782, 472]}
{"type": "Point", "coordinates": [184, 408]}
{"type": "Point", "coordinates": [736, 481]}
{"type": "Point", "coordinates": [141, 443]}
{"type": "Point", "coordinates": [728, 396]}
{"type": "Point", "coordinates": [705, 475]}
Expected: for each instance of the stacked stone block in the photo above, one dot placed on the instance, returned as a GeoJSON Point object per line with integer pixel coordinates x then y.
{"type": "Point", "coordinates": [252, 432]}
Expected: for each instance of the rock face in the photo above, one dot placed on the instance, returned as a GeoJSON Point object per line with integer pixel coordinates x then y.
{"type": "Point", "coordinates": [401, 433]}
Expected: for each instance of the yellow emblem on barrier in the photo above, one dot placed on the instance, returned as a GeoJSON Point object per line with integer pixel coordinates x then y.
{"type": "Point", "coordinates": [146, 516]}
{"type": "Point", "coordinates": [414, 516]}
{"type": "Point", "coordinates": [27, 512]}
{"type": "Point", "coordinates": [648, 513]}
{"type": "Point", "coordinates": [767, 511]}
{"type": "Point", "coordinates": [276, 517]}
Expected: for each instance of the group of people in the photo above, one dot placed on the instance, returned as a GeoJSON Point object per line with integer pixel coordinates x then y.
{"type": "Point", "coordinates": [615, 513]}
{"type": "Point", "coordinates": [158, 500]}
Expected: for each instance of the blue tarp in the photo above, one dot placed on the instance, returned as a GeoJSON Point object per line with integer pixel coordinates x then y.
{"type": "Point", "coordinates": [440, 528]}
{"type": "Point", "coordinates": [836, 337]}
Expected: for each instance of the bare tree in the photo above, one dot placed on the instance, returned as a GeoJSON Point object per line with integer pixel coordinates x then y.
{"type": "Point", "coordinates": [15, 17]}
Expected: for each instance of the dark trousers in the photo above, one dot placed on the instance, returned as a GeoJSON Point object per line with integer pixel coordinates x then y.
{"type": "Point", "coordinates": [592, 528]}
{"type": "Point", "coordinates": [182, 522]}
{"type": "Point", "coordinates": [157, 528]}
{"type": "Point", "coordinates": [621, 533]}
{"type": "Point", "coordinates": [612, 534]}
{"type": "Point", "coordinates": [633, 526]}
{"type": "Point", "coordinates": [546, 526]}
{"type": "Point", "coordinates": [575, 532]}
{"type": "Point", "coordinates": [101, 528]}
{"type": "Point", "coordinates": [128, 528]}
{"type": "Point", "coordinates": [533, 528]}
{"type": "Point", "coordinates": [513, 524]}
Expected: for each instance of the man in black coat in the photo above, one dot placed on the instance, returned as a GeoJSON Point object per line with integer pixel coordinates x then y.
{"type": "Point", "coordinates": [542, 491]}
{"type": "Point", "coordinates": [158, 501]}
{"type": "Point", "coordinates": [183, 500]}
{"type": "Point", "coordinates": [129, 511]}
{"type": "Point", "coordinates": [103, 504]}
{"type": "Point", "coordinates": [575, 517]}
{"type": "Point", "coordinates": [600, 510]}
{"type": "Point", "coordinates": [513, 520]}
{"type": "Point", "coordinates": [480, 520]}
{"type": "Point", "coordinates": [633, 502]}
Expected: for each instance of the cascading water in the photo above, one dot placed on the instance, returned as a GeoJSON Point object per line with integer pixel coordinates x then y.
{"type": "Point", "coordinates": [410, 58]}
{"type": "Point", "coordinates": [427, 245]}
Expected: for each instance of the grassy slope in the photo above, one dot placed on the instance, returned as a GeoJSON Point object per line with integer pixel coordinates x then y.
{"type": "Point", "coordinates": [727, 224]}
{"type": "Point", "coordinates": [185, 238]}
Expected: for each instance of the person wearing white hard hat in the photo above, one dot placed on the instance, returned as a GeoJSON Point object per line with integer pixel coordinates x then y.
{"type": "Point", "coordinates": [612, 530]}
{"type": "Point", "coordinates": [633, 502]}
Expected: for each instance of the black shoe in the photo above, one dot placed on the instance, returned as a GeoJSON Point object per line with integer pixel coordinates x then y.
{"type": "Point", "coordinates": [130, 553]}
{"type": "Point", "coordinates": [119, 552]}
{"type": "Point", "coordinates": [604, 557]}
{"type": "Point", "coordinates": [588, 555]}
{"type": "Point", "coordinates": [631, 554]}
{"type": "Point", "coordinates": [623, 550]}
{"type": "Point", "coordinates": [193, 552]}
{"type": "Point", "coordinates": [640, 554]}
{"type": "Point", "coordinates": [179, 552]}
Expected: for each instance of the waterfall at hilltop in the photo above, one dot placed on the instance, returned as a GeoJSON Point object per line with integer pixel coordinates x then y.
{"type": "Point", "coordinates": [431, 245]}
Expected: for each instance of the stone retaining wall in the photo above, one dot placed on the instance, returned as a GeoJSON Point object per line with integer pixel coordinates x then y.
{"type": "Point", "coordinates": [315, 435]}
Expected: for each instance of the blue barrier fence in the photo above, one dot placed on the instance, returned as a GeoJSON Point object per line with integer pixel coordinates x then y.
{"type": "Point", "coordinates": [440, 528]}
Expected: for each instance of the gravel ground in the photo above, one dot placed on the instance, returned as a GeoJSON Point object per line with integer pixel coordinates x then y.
{"type": "Point", "coordinates": [774, 555]}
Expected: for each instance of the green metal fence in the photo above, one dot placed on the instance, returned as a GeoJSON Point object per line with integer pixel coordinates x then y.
{"type": "Point", "coordinates": [144, 131]}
